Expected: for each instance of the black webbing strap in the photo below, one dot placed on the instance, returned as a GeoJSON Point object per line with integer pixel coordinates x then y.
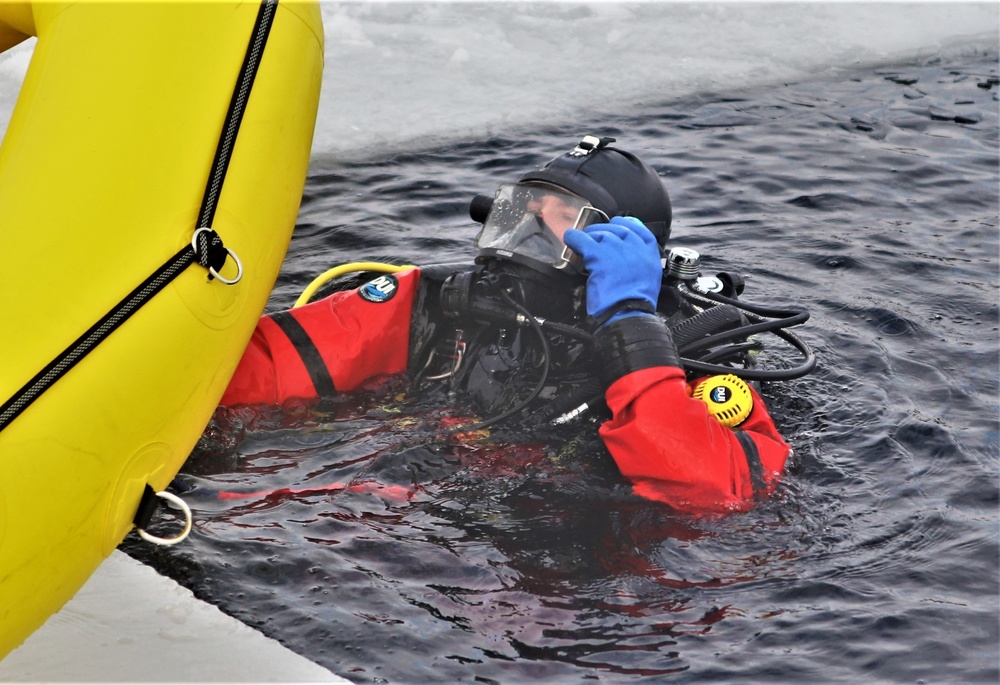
{"type": "Point", "coordinates": [753, 460]}
{"type": "Point", "coordinates": [308, 352]}
{"type": "Point", "coordinates": [206, 247]}
{"type": "Point", "coordinates": [147, 507]}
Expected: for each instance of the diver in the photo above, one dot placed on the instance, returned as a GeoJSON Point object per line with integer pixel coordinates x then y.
{"type": "Point", "coordinates": [574, 312]}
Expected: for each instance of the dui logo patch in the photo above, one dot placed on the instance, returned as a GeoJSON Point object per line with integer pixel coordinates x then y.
{"type": "Point", "coordinates": [720, 394]}
{"type": "Point", "coordinates": [382, 289]}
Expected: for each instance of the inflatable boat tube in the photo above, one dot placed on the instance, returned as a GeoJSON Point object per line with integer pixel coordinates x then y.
{"type": "Point", "coordinates": [138, 123]}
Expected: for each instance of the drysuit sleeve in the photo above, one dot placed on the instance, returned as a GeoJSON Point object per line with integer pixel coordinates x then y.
{"type": "Point", "coordinates": [329, 346]}
{"type": "Point", "coordinates": [665, 441]}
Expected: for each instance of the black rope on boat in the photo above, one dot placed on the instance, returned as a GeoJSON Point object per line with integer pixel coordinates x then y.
{"type": "Point", "coordinates": [206, 247]}
{"type": "Point", "coordinates": [237, 106]}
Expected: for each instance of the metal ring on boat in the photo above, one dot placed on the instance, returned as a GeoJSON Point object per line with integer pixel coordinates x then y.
{"type": "Point", "coordinates": [216, 274]}
{"type": "Point", "coordinates": [239, 270]}
{"type": "Point", "coordinates": [182, 505]}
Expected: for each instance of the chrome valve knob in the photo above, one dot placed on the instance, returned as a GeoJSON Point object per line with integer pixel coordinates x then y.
{"type": "Point", "coordinates": [683, 263]}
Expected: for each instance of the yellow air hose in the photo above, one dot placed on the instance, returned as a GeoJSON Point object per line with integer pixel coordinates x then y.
{"type": "Point", "coordinates": [337, 271]}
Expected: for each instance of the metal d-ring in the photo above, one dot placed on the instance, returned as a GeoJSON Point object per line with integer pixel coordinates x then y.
{"type": "Point", "coordinates": [216, 274]}
{"type": "Point", "coordinates": [182, 505]}
{"type": "Point", "coordinates": [239, 270]}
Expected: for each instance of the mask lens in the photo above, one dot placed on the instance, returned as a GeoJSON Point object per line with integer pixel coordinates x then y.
{"type": "Point", "coordinates": [528, 220]}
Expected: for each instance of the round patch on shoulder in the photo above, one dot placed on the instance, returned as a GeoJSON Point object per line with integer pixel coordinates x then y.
{"type": "Point", "coordinates": [382, 289]}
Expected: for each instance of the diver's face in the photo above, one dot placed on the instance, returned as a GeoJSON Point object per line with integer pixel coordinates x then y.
{"type": "Point", "coordinates": [557, 214]}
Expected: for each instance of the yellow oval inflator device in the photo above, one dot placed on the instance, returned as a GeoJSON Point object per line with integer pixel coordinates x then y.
{"type": "Point", "coordinates": [727, 397]}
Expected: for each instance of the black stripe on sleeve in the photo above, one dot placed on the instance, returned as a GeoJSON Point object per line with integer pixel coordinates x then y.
{"type": "Point", "coordinates": [753, 460]}
{"type": "Point", "coordinates": [308, 352]}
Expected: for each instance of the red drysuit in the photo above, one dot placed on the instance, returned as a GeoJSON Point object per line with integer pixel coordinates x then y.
{"type": "Point", "coordinates": [663, 440]}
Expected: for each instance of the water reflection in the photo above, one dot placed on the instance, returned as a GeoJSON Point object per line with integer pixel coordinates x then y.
{"type": "Point", "coordinates": [535, 553]}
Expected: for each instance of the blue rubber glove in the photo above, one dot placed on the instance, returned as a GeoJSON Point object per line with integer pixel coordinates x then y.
{"type": "Point", "coordinates": [623, 260]}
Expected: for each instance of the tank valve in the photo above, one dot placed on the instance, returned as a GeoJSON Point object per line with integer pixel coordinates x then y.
{"type": "Point", "coordinates": [683, 263]}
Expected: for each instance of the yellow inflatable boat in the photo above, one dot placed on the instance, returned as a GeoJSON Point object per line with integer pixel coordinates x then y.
{"type": "Point", "coordinates": [150, 179]}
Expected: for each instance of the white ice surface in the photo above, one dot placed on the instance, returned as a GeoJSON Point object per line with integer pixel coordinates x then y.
{"type": "Point", "coordinates": [404, 75]}
{"type": "Point", "coordinates": [130, 624]}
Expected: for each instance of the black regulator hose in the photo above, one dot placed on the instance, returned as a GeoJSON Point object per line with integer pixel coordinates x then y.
{"type": "Point", "coordinates": [687, 336]}
{"type": "Point", "coordinates": [783, 318]}
{"type": "Point", "coordinates": [716, 298]}
{"type": "Point", "coordinates": [762, 326]}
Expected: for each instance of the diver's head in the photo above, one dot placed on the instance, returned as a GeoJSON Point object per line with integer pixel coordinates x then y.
{"type": "Point", "coordinates": [524, 222]}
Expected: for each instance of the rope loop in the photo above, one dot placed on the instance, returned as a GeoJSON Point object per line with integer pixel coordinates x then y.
{"type": "Point", "coordinates": [211, 253]}
{"type": "Point", "coordinates": [182, 505]}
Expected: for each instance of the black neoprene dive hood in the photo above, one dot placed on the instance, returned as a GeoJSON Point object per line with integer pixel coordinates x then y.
{"type": "Point", "coordinates": [614, 181]}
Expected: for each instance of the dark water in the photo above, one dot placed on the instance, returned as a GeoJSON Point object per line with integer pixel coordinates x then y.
{"type": "Point", "coordinates": [872, 200]}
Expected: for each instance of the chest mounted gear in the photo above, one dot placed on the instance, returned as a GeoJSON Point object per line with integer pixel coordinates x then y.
{"type": "Point", "coordinates": [492, 293]}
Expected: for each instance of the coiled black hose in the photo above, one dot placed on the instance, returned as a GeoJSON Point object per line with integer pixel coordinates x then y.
{"type": "Point", "coordinates": [782, 319]}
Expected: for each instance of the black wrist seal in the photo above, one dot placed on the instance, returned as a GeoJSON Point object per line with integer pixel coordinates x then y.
{"type": "Point", "coordinates": [633, 343]}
